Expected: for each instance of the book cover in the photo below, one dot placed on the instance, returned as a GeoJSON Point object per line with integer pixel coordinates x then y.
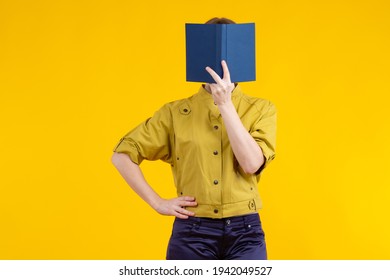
{"type": "Point", "coordinates": [209, 44]}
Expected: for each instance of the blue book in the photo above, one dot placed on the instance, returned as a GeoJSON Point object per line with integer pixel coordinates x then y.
{"type": "Point", "coordinates": [208, 44]}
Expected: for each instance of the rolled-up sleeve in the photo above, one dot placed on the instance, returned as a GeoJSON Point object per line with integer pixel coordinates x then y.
{"type": "Point", "coordinates": [149, 140]}
{"type": "Point", "coordinates": [264, 133]}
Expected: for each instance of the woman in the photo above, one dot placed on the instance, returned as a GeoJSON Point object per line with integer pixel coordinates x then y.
{"type": "Point", "coordinates": [217, 141]}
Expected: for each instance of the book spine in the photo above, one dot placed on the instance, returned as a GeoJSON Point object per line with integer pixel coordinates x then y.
{"type": "Point", "coordinates": [221, 47]}
{"type": "Point", "coordinates": [223, 43]}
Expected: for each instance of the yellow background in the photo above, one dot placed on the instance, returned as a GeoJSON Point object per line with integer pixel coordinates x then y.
{"type": "Point", "coordinates": [75, 76]}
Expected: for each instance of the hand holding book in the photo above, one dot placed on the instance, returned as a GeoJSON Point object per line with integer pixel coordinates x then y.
{"type": "Point", "coordinates": [222, 89]}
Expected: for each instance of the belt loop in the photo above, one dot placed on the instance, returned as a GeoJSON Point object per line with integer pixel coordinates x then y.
{"type": "Point", "coordinates": [247, 221]}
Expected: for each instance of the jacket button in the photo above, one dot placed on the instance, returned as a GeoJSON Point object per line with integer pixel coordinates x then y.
{"type": "Point", "coordinates": [215, 152]}
{"type": "Point", "coordinates": [215, 211]}
{"type": "Point", "coordinates": [215, 127]}
{"type": "Point", "coordinates": [215, 182]}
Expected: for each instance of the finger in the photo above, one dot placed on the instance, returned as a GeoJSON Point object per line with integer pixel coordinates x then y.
{"type": "Point", "coordinates": [186, 198]}
{"type": "Point", "coordinates": [214, 75]}
{"type": "Point", "coordinates": [184, 211]}
{"type": "Point", "coordinates": [188, 203]}
{"type": "Point", "coordinates": [226, 73]}
{"type": "Point", "coordinates": [180, 216]}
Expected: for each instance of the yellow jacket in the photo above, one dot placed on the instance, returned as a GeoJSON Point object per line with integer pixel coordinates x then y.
{"type": "Point", "coordinates": [189, 134]}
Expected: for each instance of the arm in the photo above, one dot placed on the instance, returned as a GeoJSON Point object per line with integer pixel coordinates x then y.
{"type": "Point", "coordinates": [247, 152]}
{"type": "Point", "coordinates": [136, 180]}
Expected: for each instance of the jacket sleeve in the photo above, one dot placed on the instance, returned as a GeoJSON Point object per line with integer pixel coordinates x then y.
{"type": "Point", "coordinates": [149, 140]}
{"type": "Point", "coordinates": [264, 133]}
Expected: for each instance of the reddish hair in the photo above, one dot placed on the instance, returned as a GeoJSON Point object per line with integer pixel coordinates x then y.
{"type": "Point", "coordinates": [217, 20]}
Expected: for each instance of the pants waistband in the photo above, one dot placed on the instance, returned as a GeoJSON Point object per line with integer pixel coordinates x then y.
{"type": "Point", "coordinates": [253, 219]}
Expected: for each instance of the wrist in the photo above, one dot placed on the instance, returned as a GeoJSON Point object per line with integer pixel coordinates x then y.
{"type": "Point", "coordinates": [155, 202]}
{"type": "Point", "coordinates": [226, 106]}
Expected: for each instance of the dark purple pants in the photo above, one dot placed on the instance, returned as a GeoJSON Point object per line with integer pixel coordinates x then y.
{"type": "Point", "coordinates": [235, 238]}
